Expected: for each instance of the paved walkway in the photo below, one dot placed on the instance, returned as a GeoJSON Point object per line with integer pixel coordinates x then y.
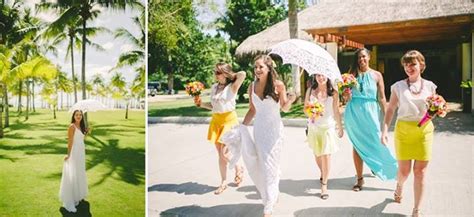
{"type": "Point", "coordinates": [183, 173]}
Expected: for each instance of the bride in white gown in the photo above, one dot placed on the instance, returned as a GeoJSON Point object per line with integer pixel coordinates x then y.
{"type": "Point", "coordinates": [74, 181]}
{"type": "Point", "coordinates": [262, 156]}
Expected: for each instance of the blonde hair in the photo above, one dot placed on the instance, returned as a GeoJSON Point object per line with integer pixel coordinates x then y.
{"type": "Point", "coordinates": [411, 56]}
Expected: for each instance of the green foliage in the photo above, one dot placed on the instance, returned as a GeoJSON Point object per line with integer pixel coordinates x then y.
{"type": "Point", "coordinates": [178, 48]}
{"type": "Point", "coordinates": [466, 84]}
{"type": "Point", "coordinates": [244, 18]}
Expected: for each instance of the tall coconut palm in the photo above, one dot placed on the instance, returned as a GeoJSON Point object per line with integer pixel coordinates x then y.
{"type": "Point", "coordinates": [118, 85]}
{"type": "Point", "coordinates": [88, 10]}
{"type": "Point", "coordinates": [136, 56]}
{"type": "Point", "coordinates": [37, 67]}
{"type": "Point", "coordinates": [63, 84]}
{"type": "Point", "coordinates": [293, 26]}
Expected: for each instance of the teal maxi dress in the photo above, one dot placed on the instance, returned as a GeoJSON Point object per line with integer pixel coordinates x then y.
{"type": "Point", "coordinates": [362, 123]}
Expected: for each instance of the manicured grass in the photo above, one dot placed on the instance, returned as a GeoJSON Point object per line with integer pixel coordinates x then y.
{"type": "Point", "coordinates": [186, 107]}
{"type": "Point", "coordinates": [31, 160]}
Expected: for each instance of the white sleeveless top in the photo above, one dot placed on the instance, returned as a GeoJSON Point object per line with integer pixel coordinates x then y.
{"type": "Point", "coordinates": [327, 120]}
{"type": "Point", "coordinates": [412, 107]}
{"type": "Point", "coordinates": [223, 101]}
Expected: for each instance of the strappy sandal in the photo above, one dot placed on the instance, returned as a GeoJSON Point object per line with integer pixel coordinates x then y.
{"type": "Point", "coordinates": [220, 189]}
{"type": "Point", "coordinates": [358, 186]}
{"type": "Point", "coordinates": [239, 176]}
{"type": "Point", "coordinates": [416, 213]}
{"type": "Point", "coordinates": [324, 196]}
{"type": "Point", "coordinates": [398, 196]}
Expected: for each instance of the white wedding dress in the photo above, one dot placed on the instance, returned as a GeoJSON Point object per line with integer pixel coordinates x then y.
{"type": "Point", "coordinates": [262, 156]}
{"type": "Point", "coordinates": [74, 181]}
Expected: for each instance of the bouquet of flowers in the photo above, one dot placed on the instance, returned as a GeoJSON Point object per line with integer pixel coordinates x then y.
{"type": "Point", "coordinates": [314, 110]}
{"type": "Point", "coordinates": [194, 88]}
{"type": "Point", "coordinates": [348, 82]}
{"type": "Point", "coordinates": [436, 106]}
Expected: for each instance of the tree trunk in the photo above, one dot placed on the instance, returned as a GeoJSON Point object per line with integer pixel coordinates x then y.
{"type": "Point", "coordinates": [19, 97]}
{"type": "Point", "coordinates": [126, 110]}
{"type": "Point", "coordinates": [83, 70]}
{"type": "Point", "coordinates": [27, 99]}
{"type": "Point", "coordinates": [7, 107]}
{"type": "Point", "coordinates": [54, 111]}
{"type": "Point", "coordinates": [293, 25]}
{"type": "Point", "coordinates": [62, 102]}
{"type": "Point", "coordinates": [74, 84]}
{"type": "Point", "coordinates": [170, 82]}
{"type": "Point", "coordinates": [33, 95]}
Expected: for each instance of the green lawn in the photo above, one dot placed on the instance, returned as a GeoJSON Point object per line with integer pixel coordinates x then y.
{"type": "Point", "coordinates": [31, 159]}
{"type": "Point", "coordinates": [186, 107]}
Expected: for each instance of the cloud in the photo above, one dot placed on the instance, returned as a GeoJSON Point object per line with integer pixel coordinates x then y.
{"type": "Point", "coordinates": [108, 45]}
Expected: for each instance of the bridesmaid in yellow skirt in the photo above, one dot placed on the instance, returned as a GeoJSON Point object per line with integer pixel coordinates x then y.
{"type": "Point", "coordinates": [322, 131]}
{"type": "Point", "coordinates": [224, 117]}
{"type": "Point", "coordinates": [412, 143]}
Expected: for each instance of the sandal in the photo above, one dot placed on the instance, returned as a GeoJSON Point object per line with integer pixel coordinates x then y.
{"type": "Point", "coordinates": [416, 213]}
{"type": "Point", "coordinates": [324, 196]}
{"type": "Point", "coordinates": [358, 186]}
{"type": "Point", "coordinates": [239, 176]}
{"type": "Point", "coordinates": [220, 189]}
{"type": "Point", "coordinates": [398, 196]}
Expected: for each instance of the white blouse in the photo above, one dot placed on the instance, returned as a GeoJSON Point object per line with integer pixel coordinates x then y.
{"type": "Point", "coordinates": [412, 107]}
{"type": "Point", "coordinates": [223, 101]}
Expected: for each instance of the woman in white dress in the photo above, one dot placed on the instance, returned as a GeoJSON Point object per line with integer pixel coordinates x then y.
{"type": "Point", "coordinates": [262, 156]}
{"type": "Point", "coordinates": [74, 181]}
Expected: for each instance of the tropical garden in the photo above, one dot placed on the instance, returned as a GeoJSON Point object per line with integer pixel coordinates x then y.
{"type": "Point", "coordinates": [44, 70]}
{"type": "Point", "coordinates": [182, 50]}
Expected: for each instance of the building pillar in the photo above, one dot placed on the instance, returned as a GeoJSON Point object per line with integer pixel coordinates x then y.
{"type": "Point", "coordinates": [472, 73]}
{"type": "Point", "coordinates": [373, 57]}
{"type": "Point", "coordinates": [332, 48]}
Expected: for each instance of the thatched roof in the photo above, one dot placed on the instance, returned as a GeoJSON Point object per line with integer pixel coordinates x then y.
{"type": "Point", "coordinates": [345, 13]}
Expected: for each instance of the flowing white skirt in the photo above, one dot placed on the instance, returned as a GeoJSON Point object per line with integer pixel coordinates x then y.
{"type": "Point", "coordinates": [261, 158]}
{"type": "Point", "coordinates": [74, 181]}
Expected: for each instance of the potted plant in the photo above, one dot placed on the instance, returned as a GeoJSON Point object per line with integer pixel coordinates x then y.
{"type": "Point", "coordinates": [466, 95]}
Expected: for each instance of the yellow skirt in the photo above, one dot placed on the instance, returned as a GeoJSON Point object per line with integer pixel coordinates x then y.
{"type": "Point", "coordinates": [322, 140]}
{"type": "Point", "coordinates": [413, 142]}
{"type": "Point", "coordinates": [221, 123]}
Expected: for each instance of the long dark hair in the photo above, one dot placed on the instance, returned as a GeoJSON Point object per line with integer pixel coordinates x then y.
{"type": "Point", "coordinates": [314, 85]}
{"type": "Point", "coordinates": [354, 70]}
{"type": "Point", "coordinates": [269, 89]}
{"type": "Point", "coordinates": [226, 69]}
{"type": "Point", "coordinates": [82, 124]}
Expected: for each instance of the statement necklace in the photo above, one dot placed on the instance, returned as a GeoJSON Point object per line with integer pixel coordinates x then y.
{"type": "Point", "coordinates": [412, 88]}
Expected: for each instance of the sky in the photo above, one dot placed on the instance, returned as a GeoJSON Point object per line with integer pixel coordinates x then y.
{"type": "Point", "coordinates": [98, 62]}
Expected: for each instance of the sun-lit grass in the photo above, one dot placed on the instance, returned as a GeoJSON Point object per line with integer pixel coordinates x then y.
{"type": "Point", "coordinates": [186, 107]}
{"type": "Point", "coordinates": [31, 159]}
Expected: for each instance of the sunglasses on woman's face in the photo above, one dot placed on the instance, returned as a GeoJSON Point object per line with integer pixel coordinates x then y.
{"type": "Point", "coordinates": [218, 72]}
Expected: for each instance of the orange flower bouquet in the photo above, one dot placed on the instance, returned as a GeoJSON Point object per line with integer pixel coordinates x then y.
{"type": "Point", "coordinates": [314, 110]}
{"type": "Point", "coordinates": [194, 89]}
{"type": "Point", "coordinates": [436, 107]}
{"type": "Point", "coordinates": [348, 82]}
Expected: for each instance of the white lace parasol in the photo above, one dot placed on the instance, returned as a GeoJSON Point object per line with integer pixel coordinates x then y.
{"type": "Point", "coordinates": [309, 56]}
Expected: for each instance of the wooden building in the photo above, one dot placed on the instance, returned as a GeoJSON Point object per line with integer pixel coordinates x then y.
{"type": "Point", "coordinates": [441, 29]}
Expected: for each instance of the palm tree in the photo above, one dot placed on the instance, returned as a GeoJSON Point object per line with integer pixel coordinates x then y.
{"type": "Point", "coordinates": [63, 84]}
{"type": "Point", "coordinates": [137, 55]}
{"type": "Point", "coordinates": [293, 26]}
{"type": "Point", "coordinates": [118, 84]}
{"type": "Point", "coordinates": [58, 33]}
{"type": "Point", "coordinates": [37, 67]}
{"type": "Point", "coordinates": [87, 10]}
